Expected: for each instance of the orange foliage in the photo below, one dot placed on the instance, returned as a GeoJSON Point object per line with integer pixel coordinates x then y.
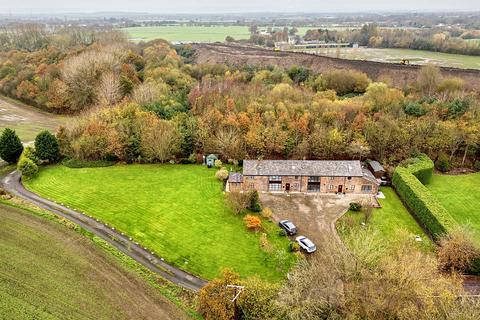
{"type": "Point", "coordinates": [252, 222]}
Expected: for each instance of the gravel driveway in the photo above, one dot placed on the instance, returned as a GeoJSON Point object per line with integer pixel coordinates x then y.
{"type": "Point", "coordinates": [313, 214]}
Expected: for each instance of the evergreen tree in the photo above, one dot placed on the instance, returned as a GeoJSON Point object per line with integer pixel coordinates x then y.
{"type": "Point", "coordinates": [10, 146]}
{"type": "Point", "coordinates": [46, 146]}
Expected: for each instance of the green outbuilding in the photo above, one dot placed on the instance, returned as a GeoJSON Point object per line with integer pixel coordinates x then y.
{"type": "Point", "coordinates": [210, 160]}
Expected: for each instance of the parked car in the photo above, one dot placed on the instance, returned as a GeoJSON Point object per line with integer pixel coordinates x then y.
{"type": "Point", "coordinates": [306, 244]}
{"type": "Point", "coordinates": [288, 226]}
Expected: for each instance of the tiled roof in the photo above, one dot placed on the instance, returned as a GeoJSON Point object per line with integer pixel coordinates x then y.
{"type": "Point", "coordinates": [325, 168]}
{"type": "Point", "coordinates": [235, 177]}
{"type": "Point", "coordinates": [376, 166]}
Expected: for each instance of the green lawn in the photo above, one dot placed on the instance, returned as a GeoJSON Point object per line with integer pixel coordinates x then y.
{"type": "Point", "coordinates": [391, 218]}
{"type": "Point", "coordinates": [48, 271]}
{"type": "Point", "coordinates": [178, 211]}
{"type": "Point", "coordinates": [460, 195]}
{"type": "Point", "coordinates": [187, 33]}
{"type": "Point", "coordinates": [396, 55]}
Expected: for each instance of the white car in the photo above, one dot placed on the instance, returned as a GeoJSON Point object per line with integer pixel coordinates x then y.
{"type": "Point", "coordinates": [306, 244]}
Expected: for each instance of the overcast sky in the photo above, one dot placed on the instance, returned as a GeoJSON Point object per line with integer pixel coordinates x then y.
{"type": "Point", "coordinates": [231, 6]}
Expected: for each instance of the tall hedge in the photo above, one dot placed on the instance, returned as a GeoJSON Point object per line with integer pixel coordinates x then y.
{"type": "Point", "coordinates": [409, 183]}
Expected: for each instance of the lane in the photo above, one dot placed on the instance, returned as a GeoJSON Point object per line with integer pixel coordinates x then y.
{"type": "Point", "coordinates": [12, 183]}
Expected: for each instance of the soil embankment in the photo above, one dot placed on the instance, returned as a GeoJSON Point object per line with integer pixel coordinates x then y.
{"type": "Point", "coordinates": [400, 75]}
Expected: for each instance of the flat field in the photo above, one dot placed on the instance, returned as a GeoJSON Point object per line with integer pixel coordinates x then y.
{"type": "Point", "coordinates": [177, 211]}
{"type": "Point", "coordinates": [396, 55]}
{"type": "Point", "coordinates": [460, 195]}
{"type": "Point", "coordinates": [48, 271]}
{"type": "Point", "coordinates": [187, 33]}
{"type": "Point", "coordinates": [387, 221]}
{"type": "Point", "coordinates": [27, 121]}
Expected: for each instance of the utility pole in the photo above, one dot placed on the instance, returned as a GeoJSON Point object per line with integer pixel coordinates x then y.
{"type": "Point", "coordinates": [238, 291]}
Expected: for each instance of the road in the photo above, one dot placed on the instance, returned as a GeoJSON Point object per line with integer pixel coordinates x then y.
{"type": "Point", "coordinates": [12, 183]}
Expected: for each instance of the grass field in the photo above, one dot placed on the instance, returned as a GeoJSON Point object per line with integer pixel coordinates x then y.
{"type": "Point", "coordinates": [27, 121]}
{"type": "Point", "coordinates": [48, 271]}
{"type": "Point", "coordinates": [387, 221]}
{"type": "Point", "coordinates": [396, 55]}
{"type": "Point", "coordinates": [187, 33]}
{"type": "Point", "coordinates": [460, 195]}
{"type": "Point", "coordinates": [178, 211]}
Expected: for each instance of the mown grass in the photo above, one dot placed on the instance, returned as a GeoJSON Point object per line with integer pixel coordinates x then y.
{"type": "Point", "coordinates": [460, 195]}
{"type": "Point", "coordinates": [187, 33]}
{"type": "Point", "coordinates": [177, 211]}
{"type": "Point", "coordinates": [388, 221]}
{"type": "Point", "coordinates": [48, 271]}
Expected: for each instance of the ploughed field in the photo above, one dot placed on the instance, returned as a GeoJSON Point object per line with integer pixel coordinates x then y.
{"type": "Point", "coordinates": [177, 211]}
{"type": "Point", "coordinates": [388, 221]}
{"type": "Point", "coordinates": [460, 195]}
{"type": "Point", "coordinates": [48, 271]}
{"type": "Point", "coordinates": [396, 55]}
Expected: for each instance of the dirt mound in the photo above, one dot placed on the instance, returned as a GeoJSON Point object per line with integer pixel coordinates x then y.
{"type": "Point", "coordinates": [400, 75]}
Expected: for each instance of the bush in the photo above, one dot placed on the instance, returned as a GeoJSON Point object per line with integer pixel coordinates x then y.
{"type": "Point", "coordinates": [476, 166]}
{"type": "Point", "coordinates": [294, 247]}
{"type": "Point", "coordinates": [298, 74]}
{"type": "Point", "coordinates": [414, 109]}
{"type": "Point", "coordinates": [10, 146]}
{"type": "Point", "coordinates": [457, 252]}
{"type": "Point", "coordinates": [355, 206]}
{"type": "Point", "coordinates": [218, 163]}
{"type": "Point", "coordinates": [46, 147]}
{"type": "Point", "coordinates": [222, 174]}
{"type": "Point", "coordinates": [282, 233]}
{"type": "Point", "coordinates": [29, 152]}
{"type": "Point", "coordinates": [346, 81]}
{"type": "Point", "coordinates": [238, 201]}
{"type": "Point", "coordinates": [267, 213]}
{"type": "Point", "coordinates": [27, 167]}
{"type": "Point", "coordinates": [254, 201]}
{"type": "Point", "coordinates": [443, 163]}
{"type": "Point", "coordinates": [252, 222]}
{"type": "Point", "coordinates": [74, 163]}
{"type": "Point", "coordinates": [426, 208]}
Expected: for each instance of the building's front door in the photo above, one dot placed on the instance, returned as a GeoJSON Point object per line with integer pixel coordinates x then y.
{"type": "Point", "coordinates": [287, 187]}
{"type": "Point", "coordinates": [340, 188]}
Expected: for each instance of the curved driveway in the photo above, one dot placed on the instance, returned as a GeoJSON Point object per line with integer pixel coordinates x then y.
{"type": "Point", "coordinates": [12, 183]}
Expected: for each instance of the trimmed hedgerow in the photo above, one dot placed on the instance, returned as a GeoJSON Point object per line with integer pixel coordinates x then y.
{"type": "Point", "coordinates": [426, 208]}
{"type": "Point", "coordinates": [421, 167]}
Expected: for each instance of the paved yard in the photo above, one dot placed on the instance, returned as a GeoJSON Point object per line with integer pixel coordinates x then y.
{"type": "Point", "coordinates": [313, 214]}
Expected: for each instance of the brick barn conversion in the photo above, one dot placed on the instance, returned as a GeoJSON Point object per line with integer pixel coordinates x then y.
{"type": "Point", "coordinates": [304, 176]}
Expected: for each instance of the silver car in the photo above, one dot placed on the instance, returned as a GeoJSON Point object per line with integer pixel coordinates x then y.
{"type": "Point", "coordinates": [306, 244]}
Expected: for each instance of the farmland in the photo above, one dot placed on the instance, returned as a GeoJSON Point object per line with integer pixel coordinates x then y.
{"type": "Point", "coordinates": [187, 33]}
{"type": "Point", "coordinates": [177, 211]}
{"type": "Point", "coordinates": [48, 271]}
{"type": "Point", "coordinates": [26, 120]}
{"type": "Point", "coordinates": [396, 55]}
{"type": "Point", "coordinates": [387, 221]}
{"type": "Point", "coordinates": [460, 195]}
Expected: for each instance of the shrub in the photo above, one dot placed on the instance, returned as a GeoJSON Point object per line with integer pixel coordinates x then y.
{"type": "Point", "coordinates": [238, 201]}
{"type": "Point", "coordinates": [426, 208]}
{"type": "Point", "coordinates": [267, 213]}
{"type": "Point", "coordinates": [414, 109]}
{"type": "Point", "coordinates": [10, 146]}
{"type": "Point", "coordinates": [294, 247]}
{"type": "Point", "coordinates": [298, 74]}
{"type": "Point", "coordinates": [457, 252]}
{"type": "Point", "coordinates": [254, 201]}
{"type": "Point", "coordinates": [443, 163]}
{"type": "Point", "coordinates": [457, 107]}
{"type": "Point", "coordinates": [346, 81]}
{"type": "Point", "coordinates": [29, 152]}
{"type": "Point", "coordinates": [476, 166]}
{"type": "Point", "coordinates": [27, 167]}
{"type": "Point", "coordinates": [218, 163]}
{"type": "Point", "coordinates": [46, 147]}
{"type": "Point", "coordinates": [355, 206]}
{"type": "Point", "coordinates": [74, 163]}
{"type": "Point", "coordinates": [282, 233]}
{"type": "Point", "coordinates": [265, 244]}
{"type": "Point", "coordinates": [222, 174]}
{"type": "Point", "coordinates": [252, 222]}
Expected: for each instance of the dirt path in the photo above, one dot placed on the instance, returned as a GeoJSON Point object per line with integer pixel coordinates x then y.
{"type": "Point", "coordinates": [12, 184]}
{"type": "Point", "coordinates": [27, 121]}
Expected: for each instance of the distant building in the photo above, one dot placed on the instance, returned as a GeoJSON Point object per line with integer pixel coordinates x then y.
{"type": "Point", "coordinates": [304, 176]}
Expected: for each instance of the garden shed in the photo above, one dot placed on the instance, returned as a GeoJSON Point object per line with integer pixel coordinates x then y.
{"type": "Point", "coordinates": [210, 160]}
